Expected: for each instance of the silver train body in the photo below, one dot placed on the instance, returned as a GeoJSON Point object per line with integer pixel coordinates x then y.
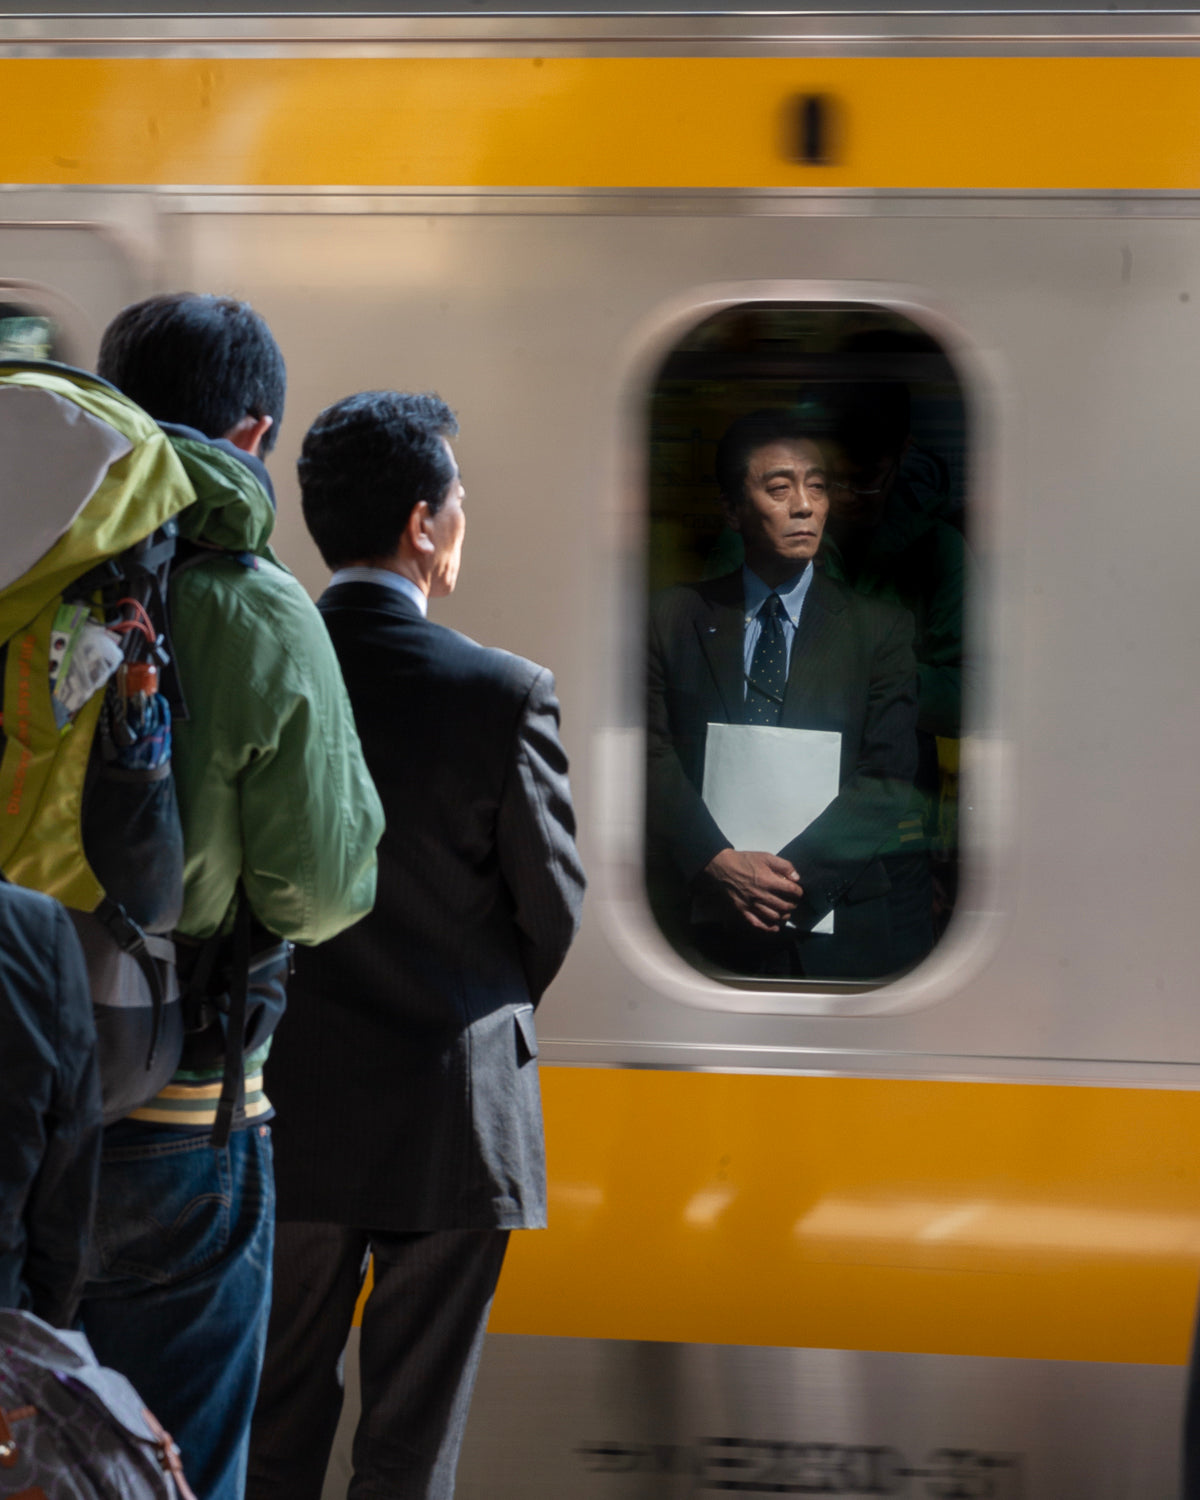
{"type": "Point", "coordinates": [932, 1238]}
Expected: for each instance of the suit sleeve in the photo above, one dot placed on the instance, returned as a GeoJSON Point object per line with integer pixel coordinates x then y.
{"type": "Point", "coordinates": [62, 1199]}
{"type": "Point", "coordinates": [678, 823]}
{"type": "Point", "coordinates": [833, 850]}
{"type": "Point", "coordinates": [535, 836]}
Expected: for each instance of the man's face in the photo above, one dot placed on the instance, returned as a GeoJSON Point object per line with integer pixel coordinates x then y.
{"type": "Point", "coordinates": [447, 529]}
{"type": "Point", "coordinates": [859, 491]}
{"type": "Point", "coordinates": [783, 508]}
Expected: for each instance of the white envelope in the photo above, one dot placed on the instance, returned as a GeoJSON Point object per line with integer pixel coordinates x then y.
{"type": "Point", "coordinates": [764, 784]}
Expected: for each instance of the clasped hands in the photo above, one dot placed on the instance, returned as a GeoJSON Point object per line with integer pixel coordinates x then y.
{"type": "Point", "coordinates": [763, 889]}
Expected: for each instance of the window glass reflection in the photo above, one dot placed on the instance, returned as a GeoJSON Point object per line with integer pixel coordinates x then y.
{"type": "Point", "coordinates": [805, 659]}
{"type": "Point", "coordinates": [25, 333]}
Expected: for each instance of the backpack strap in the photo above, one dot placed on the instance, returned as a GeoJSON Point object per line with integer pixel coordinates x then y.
{"type": "Point", "coordinates": [190, 553]}
{"type": "Point", "coordinates": [233, 1084]}
{"type": "Point", "coordinates": [143, 949]}
{"type": "Point", "coordinates": [168, 1455]}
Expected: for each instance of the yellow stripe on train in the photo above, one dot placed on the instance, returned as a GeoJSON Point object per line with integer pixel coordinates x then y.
{"type": "Point", "coordinates": [600, 122]}
{"type": "Point", "coordinates": [989, 1219]}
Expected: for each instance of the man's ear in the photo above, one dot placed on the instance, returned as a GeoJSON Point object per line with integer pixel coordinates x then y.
{"type": "Point", "coordinates": [732, 512]}
{"type": "Point", "coordinates": [416, 528]}
{"type": "Point", "coordinates": [249, 433]}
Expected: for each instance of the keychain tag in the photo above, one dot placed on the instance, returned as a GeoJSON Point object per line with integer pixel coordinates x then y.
{"type": "Point", "coordinates": [83, 656]}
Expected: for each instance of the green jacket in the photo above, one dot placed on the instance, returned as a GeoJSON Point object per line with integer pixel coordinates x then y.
{"type": "Point", "coordinates": [270, 776]}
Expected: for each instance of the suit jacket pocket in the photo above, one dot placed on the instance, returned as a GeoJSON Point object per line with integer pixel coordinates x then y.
{"type": "Point", "coordinates": [527, 1042]}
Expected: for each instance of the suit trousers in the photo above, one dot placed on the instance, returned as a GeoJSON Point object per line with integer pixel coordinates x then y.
{"type": "Point", "coordinates": [422, 1336]}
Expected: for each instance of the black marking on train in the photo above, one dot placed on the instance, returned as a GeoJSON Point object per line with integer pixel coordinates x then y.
{"type": "Point", "coordinates": [814, 130]}
{"type": "Point", "coordinates": [752, 1466]}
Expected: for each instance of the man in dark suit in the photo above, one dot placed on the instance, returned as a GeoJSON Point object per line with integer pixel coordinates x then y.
{"type": "Point", "coordinates": [779, 643]}
{"type": "Point", "coordinates": [405, 1080]}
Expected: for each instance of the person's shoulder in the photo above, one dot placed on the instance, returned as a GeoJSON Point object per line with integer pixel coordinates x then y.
{"type": "Point", "coordinates": [866, 611]}
{"type": "Point", "coordinates": [683, 601]}
{"type": "Point", "coordinates": [252, 615]}
{"type": "Point", "coordinates": [238, 583]}
{"type": "Point", "coordinates": [27, 912]}
{"type": "Point", "coordinates": [486, 666]}
{"type": "Point", "coordinates": [35, 932]}
{"type": "Point", "coordinates": [949, 541]}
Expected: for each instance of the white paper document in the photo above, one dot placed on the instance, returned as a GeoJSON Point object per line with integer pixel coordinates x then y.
{"type": "Point", "coordinates": [764, 784]}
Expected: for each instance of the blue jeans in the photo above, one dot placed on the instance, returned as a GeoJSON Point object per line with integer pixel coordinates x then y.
{"type": "Point", "coordinates": [181, 1286]}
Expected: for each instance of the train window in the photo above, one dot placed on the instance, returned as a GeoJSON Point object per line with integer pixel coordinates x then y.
{"type": "Point", "coordinates": [26, 332]}
{"type": "Point", "coordinates": [807, 562]}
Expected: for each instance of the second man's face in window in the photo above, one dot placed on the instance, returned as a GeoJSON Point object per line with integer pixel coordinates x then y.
{"type": "Point", "coordinates": [782, 512]}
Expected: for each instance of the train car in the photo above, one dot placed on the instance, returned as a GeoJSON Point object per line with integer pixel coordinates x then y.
{"type": "Point", "coordinates": [931, 1237]}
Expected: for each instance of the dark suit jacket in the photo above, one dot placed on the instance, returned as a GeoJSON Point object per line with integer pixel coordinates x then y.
{"type": "Point", "coordinates": [404, 1074]}
{"type": "Point", "coordinates": [852, 670]}
{"type": "Point", "coordinates": [50, 1128]}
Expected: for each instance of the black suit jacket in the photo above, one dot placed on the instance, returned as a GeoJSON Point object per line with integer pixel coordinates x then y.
{"type": "Point", "coordinates": [852, 670]}
{"type": "Point", "coordinates": [404, 1074]}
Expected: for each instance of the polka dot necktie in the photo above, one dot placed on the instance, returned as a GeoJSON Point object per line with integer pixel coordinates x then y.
{"type": "Point", "coordinates": [768, 666]}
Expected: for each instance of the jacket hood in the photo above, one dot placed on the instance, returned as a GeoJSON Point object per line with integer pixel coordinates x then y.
{"type": "Point", "coordinates": [235, 503]}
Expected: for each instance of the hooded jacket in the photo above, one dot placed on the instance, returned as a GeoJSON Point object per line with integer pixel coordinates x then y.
{"type": "Point", "coordinates": [269, 772]}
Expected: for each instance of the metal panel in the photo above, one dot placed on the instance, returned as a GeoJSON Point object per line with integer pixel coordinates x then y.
{"type": "Point", "coordinates": [540, 329]}
{"type": "Point", "coordinates": [894, 12]}
{"type": "Point", "coordinates": [675, 28]}
{"type": "Point", "coordinates": [609, 1420]}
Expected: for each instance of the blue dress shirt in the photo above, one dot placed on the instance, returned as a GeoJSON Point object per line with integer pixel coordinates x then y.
{"type": "Point", "coordinates": [755, 594]}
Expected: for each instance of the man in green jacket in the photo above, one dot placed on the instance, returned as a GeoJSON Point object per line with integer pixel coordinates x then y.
{"type": "Point", "coordinates": [274, 794]}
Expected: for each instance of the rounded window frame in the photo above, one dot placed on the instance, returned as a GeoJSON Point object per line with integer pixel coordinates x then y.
{"type": "Point", "coordinates": [987, 788]}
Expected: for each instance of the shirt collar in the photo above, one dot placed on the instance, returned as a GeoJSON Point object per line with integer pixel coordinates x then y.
{"type": "Point", "coordinates": [386, 579]}
{"type": "Point", "coordinates": [755, 593]}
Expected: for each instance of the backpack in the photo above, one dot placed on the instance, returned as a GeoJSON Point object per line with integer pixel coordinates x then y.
{"type": "Point", "coordinates": [71, 1429]}
{"type": "Point", "coordinates": [89, 489]}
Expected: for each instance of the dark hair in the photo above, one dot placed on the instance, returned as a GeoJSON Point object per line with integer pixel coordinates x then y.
{"type": "Point", "coordinates": [365, 464]}
{"type": "Point", "coordinates": [203, 361]}
{"type": "Point", "coordinates": [870, 422]}
{"type": "Point", "coordinates": [745, 436]}
{"type": "Point", "coordinates": [871, 419]}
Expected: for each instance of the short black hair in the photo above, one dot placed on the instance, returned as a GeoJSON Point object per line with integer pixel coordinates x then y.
{"type": "Point", "coordinates": [203, 361]}
{"type": "Point", "coordinates": [365, 463]}
{"type": "Point", "coordinates": [746, 436]}
{"type": "Point", "coordinates": [870, 422]}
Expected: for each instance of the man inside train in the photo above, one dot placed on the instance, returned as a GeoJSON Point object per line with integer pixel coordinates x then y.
{"type": "Point", "coordinates": [409, 1124]}
{"type": "Point", "coordinates": [275, 801]}
{"type": "Point", "coordinates": [779, 644]}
